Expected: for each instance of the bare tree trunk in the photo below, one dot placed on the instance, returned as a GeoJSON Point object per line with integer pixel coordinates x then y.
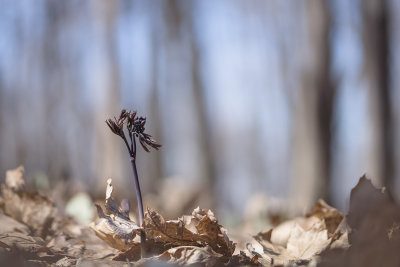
{"type": "Point", "coordinates": [313, 112]}
{"type": "Point", "coordinates": [181, 24]}
{"type": "Point", "coordinates": [376, 50]}
{"type": "Point", "coordinates": [53, 73]}
{"type": "Point", "coordinates": [205, 142]}
{"type": "Point", "coordinates": [186, 9]}
{"type": "Point", "coordinates": [156, 164]}
{"type": "Point", "coordinates": [326, 91]}
{"type": "Point", "coordinates": [107, 153]}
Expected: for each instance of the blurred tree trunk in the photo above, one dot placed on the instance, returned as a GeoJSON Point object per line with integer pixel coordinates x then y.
{"type": "Point", "coordinates": [156, 164]}
{"type": "Point", "coordinates": [57, 158]}
{"type": "Point", "coordinates": [180, 16]}
{"type": "Point", "coordinates": [326, 91]}
{"type": "Point", "coordinates": [108, 159]}
{"type": "Point", "coordinates": [376, 55]}
{"type": "Point", "coordinates": [200, 106]}
{"type": "Point", "coordinates": [313, 111]}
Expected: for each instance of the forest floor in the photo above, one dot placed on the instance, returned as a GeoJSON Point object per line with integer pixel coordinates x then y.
{"type": "Point", "coordinates": [34, 233]}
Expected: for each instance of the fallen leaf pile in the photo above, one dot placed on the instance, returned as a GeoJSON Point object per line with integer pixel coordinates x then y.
{"type": "Point", "coordinates": [34, 233]}
{"type": "Point", "coordinates": [31, 208]}
{"type": "Point", "coordinates": [197, 236]}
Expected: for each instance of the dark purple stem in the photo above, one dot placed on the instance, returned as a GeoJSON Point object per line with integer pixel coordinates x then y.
{"type": "Point", "coordinates": [138, 197]}
{"type": "Point", "coordinates": [127, 145]}
{"type": "Point", "coordinates": [138, 192]}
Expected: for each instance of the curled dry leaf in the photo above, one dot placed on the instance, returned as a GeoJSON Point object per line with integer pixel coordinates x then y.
{"type": "Point", "coordinates": [115, 228]}
{"type": "Point", "coordinates": [112, 206]}
{"type": "Point", "coordinates": [281, 233]}
{"type": "Point", "coordinates": [115, 231]}
{"type": "Point", "coordinates": [200, 229]}
{"type": "Point", "coordinates": [301, 248]}
{"type": "Point", "coordinates": [306, 238]}
{"type": "Point", "coordinates": [31, 208]}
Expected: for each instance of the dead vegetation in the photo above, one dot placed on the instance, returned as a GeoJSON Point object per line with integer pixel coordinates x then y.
{"type": "Point", "coordinates": [34, 233]}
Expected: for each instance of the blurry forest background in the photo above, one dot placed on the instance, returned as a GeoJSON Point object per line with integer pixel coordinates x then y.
{"type": "Point", "coordinates": [258, 104]}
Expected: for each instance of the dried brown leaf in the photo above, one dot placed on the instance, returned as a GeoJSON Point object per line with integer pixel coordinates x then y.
{"type": "Point", "coordinates": [71, 246]}
{"type": "Point", "coordinates": [23, 242]}
{"type": "Point", "coordinates": [306, 244]}
{"type": "Point", "coordinates": [188, 256]}
{"type": "Point", "coordinates": [301, 240]}
{"type": "Point", "coordinates": [31, 208]}
{"type": "Point", "coordinates": [365, 200]}
{"type": "Point", "coordinates": [200, 229]}
{"type": "Point", "coordinates": [373, 214]}
{"type": "Point", "coordinates": [192, 255]}
{"type": "Point", "coordinates": [134, 252]}
{"type": "Point", "coordinates": [281, 233]}
{"type": "Point", "coordinates": [242, 259]}
{"type": "Point", "coordinates": [79, 241]}
{"type": "Point", "coordinates": [115, 231]}
{"type": "Point", "coordinates": [330, 215]}
{"type": "Point", "coordinates": [163, 231]}
{"type": "Point", "coordinates": [111, 206]}
{"type": "Point", "coordinates": [341, 242]}
{"type": "Point", "coordinates": [9, 225]}
{"type": "Point", "coordinates": [22, 247]}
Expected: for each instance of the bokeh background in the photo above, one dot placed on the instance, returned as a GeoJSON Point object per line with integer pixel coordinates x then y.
{"type": "Point", "coordinates": [259, 105]}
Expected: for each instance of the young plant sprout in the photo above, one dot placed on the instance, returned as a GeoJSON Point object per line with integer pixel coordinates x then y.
{"type": "Point", "coordinates": [135, 129]}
